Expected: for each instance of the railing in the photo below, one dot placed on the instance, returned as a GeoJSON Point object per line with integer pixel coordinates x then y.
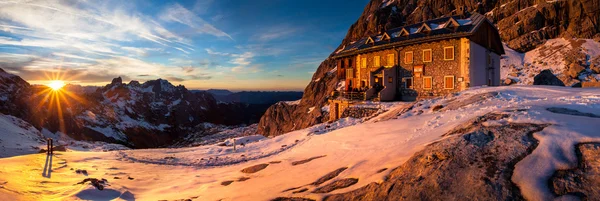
{"type": "Point", "coordinates": [349, 95]}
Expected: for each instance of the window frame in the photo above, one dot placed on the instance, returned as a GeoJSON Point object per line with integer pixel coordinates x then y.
{"type": "Point", "coordinates": [453, 81]}
{"type": "Point", "coordinates": [431, 82]}
{"type": "Point", "coordinates": [445, 56]}
{"type": "Point", "coordinates": [393, 60]}
{"type": "Point", "coordinates": [411, 57]}
{"type": "Point", "coordinates": [376, 61]}
{"type": "Point", "coordinates": [363, 62]}
{"type": "Point", "coordinates": [349, 73]}
{"type": "Point", "coordinates": [430, 55]}
{"type": "Point", "coordinates": [412, 82]}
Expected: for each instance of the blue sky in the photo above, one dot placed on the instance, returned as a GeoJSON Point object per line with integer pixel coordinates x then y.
{"type": "Point", "coordinates": [228, 44]}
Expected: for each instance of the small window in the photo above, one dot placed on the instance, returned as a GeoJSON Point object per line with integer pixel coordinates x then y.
{"type": "Point", "coordinates": [364, 62]}
{"type": "Point", "coordinates": [427, 55]}
{"type": "Point", "coordinates": [448, 82]}
{"type": "Point", "coordinates": [408, 57]}
{"type": "Point", "coordinates": [449, 53]}
{"type": "Point", "coordinates": [427, 82]}
{"type": "Point", "coordinates": [390, 79]}
{"type": "Point", "coordinates": [376, 61]}
{"type": "Point", "coordinates": [408, 83]}
{"type": "Point", "coordinates": [390, 60]}
{"type": "Point", "coordinates": [349, 73]}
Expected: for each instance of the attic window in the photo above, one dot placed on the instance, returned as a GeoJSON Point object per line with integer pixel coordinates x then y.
{"type": "Point", "coordinates": [424, 28]}
{"type": "Point", "coordinates": [452, 23]}
{"type": "Point", "coordinates": [385, 36]}
{"type": "Point", "coordinates": [370, 41]}
{"type": "Point", "coordinates": [404, 32]}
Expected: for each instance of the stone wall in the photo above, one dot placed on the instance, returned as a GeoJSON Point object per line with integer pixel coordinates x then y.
{"type": "Point", "coordinates": [359, 112]}
{"type": "Point", "coordinates": [437, 68]}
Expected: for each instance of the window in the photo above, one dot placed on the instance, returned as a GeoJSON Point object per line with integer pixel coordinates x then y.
{"type": "Point", "coordinates": [448, 82]}
{"type": "Point", "coordinates": [408, 57]}
{"type": "Point", "coordinates": [390, 79]}
{"type": "Point", "coordinates": [343, 65]}
{"type": "Point", "coordinates": [449, 53]}
{"type": "Point", "coordinates": [427, 55]}
{"type": "Point", "coordinates": [427, 82]}
{"type": "Point", "coordinates": [376, 61]}
{"type": "Point", "coordinates": [390, 60]}
{"type": "Point", "coordinates": [357, 62]}
{"type": "Point", "coordinates": [349, 73]}
{"type": "Point", "coordinates": [408, 82]}
{"type": "Point", "coordinates": [364, 62]}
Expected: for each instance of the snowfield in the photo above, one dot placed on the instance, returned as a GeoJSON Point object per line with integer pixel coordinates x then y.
{"type": "Point", "coordinates": [299, 158]}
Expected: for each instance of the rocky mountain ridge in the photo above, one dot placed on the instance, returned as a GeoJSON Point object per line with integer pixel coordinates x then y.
{"type": "Point", "coordinates": [523, 26]}
{"type": "Point", "coordinates": [140, 115]}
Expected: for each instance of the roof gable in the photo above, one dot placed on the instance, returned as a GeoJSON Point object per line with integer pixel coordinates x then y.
{"type": "Point", "coordinates": [424, 28]}
{"type": "Point", "coordinates": [369, 40]}
{"type": "Point", "coordinates": [385, 36]}
{"type": "Point", "coordinates": [451, 23]}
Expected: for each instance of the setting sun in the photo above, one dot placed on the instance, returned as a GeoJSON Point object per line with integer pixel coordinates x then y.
{"type": "Point", "coordinates": [56, 84]}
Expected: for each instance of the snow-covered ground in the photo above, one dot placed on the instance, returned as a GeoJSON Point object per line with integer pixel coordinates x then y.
{"type": "Point", "coordinates": [522, 67]}
{"type": "Point", "coordinates": [363, 146]}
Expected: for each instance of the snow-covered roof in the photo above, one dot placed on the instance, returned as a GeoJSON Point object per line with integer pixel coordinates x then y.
{"type": "Point", "coordinates": [434, 29]}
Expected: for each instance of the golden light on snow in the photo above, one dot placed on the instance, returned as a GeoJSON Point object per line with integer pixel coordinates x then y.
{"type": "Point", "coordinates": [56, 84]}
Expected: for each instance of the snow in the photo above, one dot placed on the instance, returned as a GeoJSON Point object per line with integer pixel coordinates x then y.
{"type": "Point", "coordinates": [310, 109]}
{"type": "Point", "coordinates": [550, 55]}
{"type": "Point", "coordinates": [18, 137]}
{"type": "Point", "coordinates": [462, 22]}
{"type": "Point", "coordinates": [296, 102]}
{"type": "Point", "coordinates": [386, 3]}
{"type": "Point", "coordinates": [362, 146]}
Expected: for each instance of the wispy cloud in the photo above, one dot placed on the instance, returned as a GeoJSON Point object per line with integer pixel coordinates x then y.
{"type": "Point", "coordinates": [179, 14]}
{"type": "Point", "coordinates": [276, 32]}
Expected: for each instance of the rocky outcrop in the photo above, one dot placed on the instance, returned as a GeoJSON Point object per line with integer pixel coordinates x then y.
{"type": "Point", "coordinates": [523, 25]}
{"type": "Point", "coordinates": [584, 180]}
{"type": "Point", "coordinates": [474, 163]}
{"type": "Point", "coordinates": [546, 77]}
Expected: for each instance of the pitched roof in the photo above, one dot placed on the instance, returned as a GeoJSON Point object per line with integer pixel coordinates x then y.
{"type": "Point", "coordinates": [467, 25]}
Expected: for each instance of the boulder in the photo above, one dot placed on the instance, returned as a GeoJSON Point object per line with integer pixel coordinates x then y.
{"type": "Point", "coordinates": [546, 77]}
{"type": "Point", "coordinates": [508, 81]}
{"type": "Point", "coordinates": [574, 70]}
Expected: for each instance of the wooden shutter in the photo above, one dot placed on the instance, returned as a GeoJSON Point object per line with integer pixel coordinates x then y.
{"type": "Point", "coordinates": [449, 82]}
{"type": "Point", "coordinates": [376, 61]}
{"type": "Point", "coordinates": [427, 82]}
{"type": "Point", "coordinates": [449, 53]}
{"type": "Point", "coordinates": [408, 58]}
{"type": "Point", "coordinates": [427, 55]}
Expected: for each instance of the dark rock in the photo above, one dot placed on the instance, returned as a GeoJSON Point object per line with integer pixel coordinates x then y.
{"type": "Point", "coordinates": [458, 167]}
{"type": "Point", "coordinates": [338, 184]}
{"type": "Point", "coordinates": [306, 160]}
{"type": "Point", "coordinates": [117, 81]}
{"type": "Point", "coordinates": [226, 183]}
{"type": "Point", "coordinates": [300, 191]}
{"type": "Point", "coordinates": [329, 176]}
{"type": "Point", "coordinates": [437, 108]}
{"type": "Point", "coordinates": [584, 180]}
{"type": "Point", "coordinates": [98, 183]}
{"type": "Point", "coordinates": [546, 77]}
{"type": "Point", "coordinates": [255, 168]}
{"type": "Point", "coordinates": [291, 199]}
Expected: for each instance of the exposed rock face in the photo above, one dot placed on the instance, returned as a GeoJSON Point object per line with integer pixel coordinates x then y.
{"type": "Point", "coordinates": [546, 77]}
{"type": "Point", "coordinates": [584, 180]}
{"type": "Point", "coordinates": [11, 88]}
{"type": "Point", "coordinates": [523, 24]}
{"type": "Point", "coordinates": [474, 163]}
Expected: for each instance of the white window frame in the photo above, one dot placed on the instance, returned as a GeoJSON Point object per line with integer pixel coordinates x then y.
{"type": "Point", "coordinates": [412, 57]}
{"type": "Point", "coordinates": [428, 77]}
{"type": "Point", "coordinates": [445, 58]}
{"type": "Point", "coordinates": [430, 55]}
{"type": "Point", "coordinates": [453, 82]}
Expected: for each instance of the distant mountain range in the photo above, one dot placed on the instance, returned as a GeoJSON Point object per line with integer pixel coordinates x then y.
{"type": "Point", "coordinates": [253, 97]}
{"type": "Point", "coordinates": [140, 115]}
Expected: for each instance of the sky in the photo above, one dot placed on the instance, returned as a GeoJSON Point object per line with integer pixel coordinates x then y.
{"type": "Point", "coordinates": [219, 44]}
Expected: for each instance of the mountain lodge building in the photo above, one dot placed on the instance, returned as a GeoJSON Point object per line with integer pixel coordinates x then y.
{"type": "Point", "coordinates": [422, 60]}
